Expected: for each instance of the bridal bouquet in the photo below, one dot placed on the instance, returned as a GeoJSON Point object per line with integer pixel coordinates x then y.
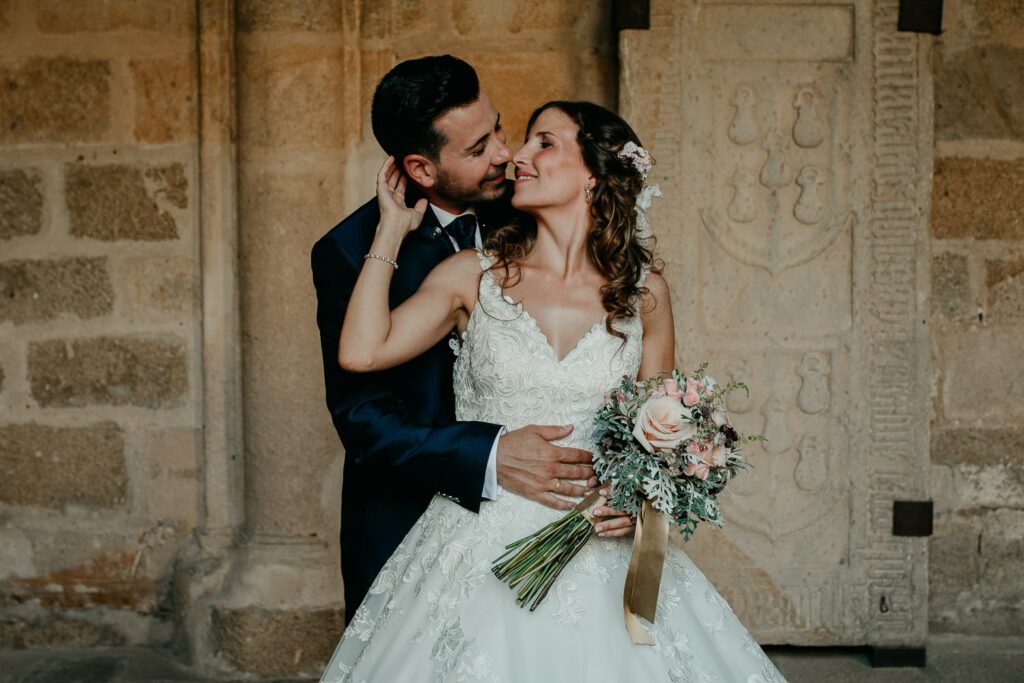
{"type": "Point", "coordinates": [666, 449]}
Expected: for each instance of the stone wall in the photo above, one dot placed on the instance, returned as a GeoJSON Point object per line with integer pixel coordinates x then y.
{"type": "Point", "coordinates": [977, 225]}
{"type": "Point", "coordinates": [133, 503]}
{"type": "Point", "coordinates": [99, 324]}
{"type": "Point", "coordinates": [121, 412]}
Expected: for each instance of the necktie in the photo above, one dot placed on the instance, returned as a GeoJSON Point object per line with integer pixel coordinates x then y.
{"type": "Point", "coordinates": [463, 231]}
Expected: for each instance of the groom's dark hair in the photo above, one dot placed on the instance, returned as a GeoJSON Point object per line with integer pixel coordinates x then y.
{"type": "Point", "coordinates": [412, 96]}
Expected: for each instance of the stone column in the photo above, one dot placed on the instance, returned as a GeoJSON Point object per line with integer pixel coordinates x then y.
{"type": "Point", "coordinates": [280, 613]}
{"type": "Point", "coordinates": [306, 157]}
{"type": "Point", "coordinates": [794, 147]}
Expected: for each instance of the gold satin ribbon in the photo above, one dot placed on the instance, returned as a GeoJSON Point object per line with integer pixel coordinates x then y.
{"type": "Point", "coordinates": [643, 578]}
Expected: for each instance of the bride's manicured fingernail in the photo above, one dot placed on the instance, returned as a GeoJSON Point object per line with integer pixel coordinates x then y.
{"type": "Point", "coordinates": [598, 528]}
{"type": "Point", "coordinates": [604, 492]}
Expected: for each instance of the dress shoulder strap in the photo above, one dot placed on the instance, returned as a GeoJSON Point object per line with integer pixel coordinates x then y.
{"type": "Point", "coordinates": [486, 259]}
{"type": "Point", "coordinates": [490, 292]}
{"type": "Point", "coordinates": [644, 270]}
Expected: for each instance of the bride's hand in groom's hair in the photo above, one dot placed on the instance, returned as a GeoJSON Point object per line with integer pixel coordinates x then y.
{"type": "Point", "coordinates": [394, 214]}
{"type": "Point", "coordinates": [531, 466]}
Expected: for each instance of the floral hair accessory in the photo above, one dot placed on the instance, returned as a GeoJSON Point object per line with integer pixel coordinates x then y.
{"type": "Point", "coordinates": [638, 157]}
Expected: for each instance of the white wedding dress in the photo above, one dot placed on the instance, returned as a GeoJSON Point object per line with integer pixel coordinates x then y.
{"type": "Point", "coordinates": [437, 613]}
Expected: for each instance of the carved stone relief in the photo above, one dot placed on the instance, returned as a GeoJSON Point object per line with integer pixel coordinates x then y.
{"type": "Point", "coordinates": [794, 163]}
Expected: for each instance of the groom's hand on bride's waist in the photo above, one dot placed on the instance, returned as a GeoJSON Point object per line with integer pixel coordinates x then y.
{"type": "Point", "coordinates": [531, 466]}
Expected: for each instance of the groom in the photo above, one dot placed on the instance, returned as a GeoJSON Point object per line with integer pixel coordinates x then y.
{"type": "Point", "coordinates": [401, 440]}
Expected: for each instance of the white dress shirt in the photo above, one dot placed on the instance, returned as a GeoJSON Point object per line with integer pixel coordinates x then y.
{"type": "Point", "coordinates": [491, 487]}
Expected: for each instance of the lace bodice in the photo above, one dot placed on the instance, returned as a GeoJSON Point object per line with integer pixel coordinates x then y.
{"type": "Point", "coordinates": [507, 373]}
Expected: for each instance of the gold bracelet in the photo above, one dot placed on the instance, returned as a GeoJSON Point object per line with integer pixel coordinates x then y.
{"type": "Point", "coordinates": [385, 259]}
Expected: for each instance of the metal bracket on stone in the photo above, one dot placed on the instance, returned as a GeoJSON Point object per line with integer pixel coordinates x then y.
{"type": "Point", "coordinates": [920, 16]}
{"type": "Point", "coordinates": [631, 14]}
{"type": "Point", "coordinates": [912, 517]}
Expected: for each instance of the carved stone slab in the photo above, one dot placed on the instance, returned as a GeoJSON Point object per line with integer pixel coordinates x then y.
{"type": "Point", "coordinates": [793, 143]}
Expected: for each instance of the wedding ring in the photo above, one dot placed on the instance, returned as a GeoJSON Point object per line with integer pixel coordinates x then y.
{"type": "Point", "coordinates": [558, 485]}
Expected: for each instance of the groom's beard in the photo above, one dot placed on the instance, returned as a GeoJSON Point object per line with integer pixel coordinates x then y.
{"type": "Point", "coordinates": [468, 195]}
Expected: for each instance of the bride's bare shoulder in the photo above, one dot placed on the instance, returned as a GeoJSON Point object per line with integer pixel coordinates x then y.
{"type": "Point", "coordinates": [656, 299]}
{"type": "Point", "coordinates": [462, 264]}
{"type": "Point", "coordinates": [656, 285]}
{"type": "Point", "coordinates": [459, 274]}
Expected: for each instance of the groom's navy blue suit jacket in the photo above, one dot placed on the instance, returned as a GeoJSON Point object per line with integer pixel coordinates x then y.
{"type": "Point", "coordinates": [402, 443]}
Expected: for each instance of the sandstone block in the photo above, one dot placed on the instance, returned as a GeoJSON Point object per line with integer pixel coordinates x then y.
{"type": "Point", "coordinates": [58, 466]}
{"type": "Point", "coordinates": [373, 19]}
{"type": "Point", "coordinates": [287, 15]}
{"type": "Point", "coordinates": [979, 93]}
{"type": "Point", "coordinates": [981, 378]}
{"type": "Point", "coordinates": [111, 577]}
{"type": "Point", "coordinates": [475, 18]}
{"type": "Point", "coordinates": [56, 631]}
{"type": "Point", "coordinates": [1005, 283]}
{"type": "Point", "coordinates": [173, 480]}
{"type": "Point", "coordinates": [54, 99]}
{"type": "Point", "coordinates": [138, 371]}
{"type": "Point", "coordinates": [953, 560]}
{"type": "Point", "coordinates": [415, 16]}
{"type": "Point", "coordinates": [998, 20]}
{"type": "Point", "coordinates": [162, 284]}
{"type": "Point", "coordinates": [979, 198]}
{"type": "Point", "coordinates": [31, 291]}
{"type": "Point", "coordinates": [988, 465]}
{"type": "Point", "coordinates": [516, 90]}
{"type": "Point", "coordinates": [977, 446]}
{"type": "Point", "coordinates": [292, 97]}
{"type": "Point", "coordinates": [125, 202]}
{"type": "Point", "coordinates": [21, 204]}
{"type": "Point", "coordinates": [71, 16]}
{"type": "Point", "coordinates": [165, 98]}
{"type": "Point", "coordinates": [277, 642]}
{"type": "Point", "coordinates": [951, 286]}
{"type": "Point", "coordinates": [1002, 556]}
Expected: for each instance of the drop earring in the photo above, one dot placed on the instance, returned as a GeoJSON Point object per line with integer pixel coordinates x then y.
{"type": "Point", "coordinates": [586, 191]}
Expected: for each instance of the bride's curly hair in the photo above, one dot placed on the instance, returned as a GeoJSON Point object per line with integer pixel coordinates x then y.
{"type": "Point", "coordinates": [613, 245]}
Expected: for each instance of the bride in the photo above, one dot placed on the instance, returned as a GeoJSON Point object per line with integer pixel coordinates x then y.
{"type": "Point", "coordinates": [558, 307]}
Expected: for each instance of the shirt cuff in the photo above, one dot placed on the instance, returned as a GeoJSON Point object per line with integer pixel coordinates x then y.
{"type": "Point", "coordinates": [491, 487]}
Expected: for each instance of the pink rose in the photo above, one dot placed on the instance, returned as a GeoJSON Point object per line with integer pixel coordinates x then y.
{"type": "Point", "coordinates": [697, 469]}
{"type": "Point", "coordinates": [690, 398]}
{"type": "Point", "coordinates": [661, 424]}
{"type": "Point", "coordinates": [671, 388]}
{"type": "Point", "coordinates": [693, 385]}
{"type": "Point", "coordinates": [693, 449]}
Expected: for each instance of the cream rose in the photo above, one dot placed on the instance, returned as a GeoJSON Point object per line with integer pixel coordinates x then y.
{"type": "Point", "coordinates": [661, 424]}
{"type": "Point", "coordinates": [716, 456]}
